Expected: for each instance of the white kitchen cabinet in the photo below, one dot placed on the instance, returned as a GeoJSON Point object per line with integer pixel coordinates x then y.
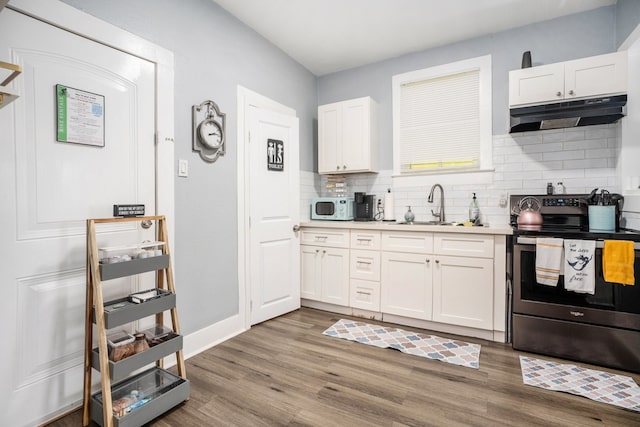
{"type": "Point", "coordinates": [463, 280]}
{"type": "Point", "coordinates": [325, 267]}
{"type": "Point", "coordinates": [347, 140]}
{"type": "Point", "coordinates": [406, 285]}
{"type": "Point", "coordinates": [463, 291]}
{"type": "Point", "coordinates": [325, 274]}
{"type": "Point", "coordinates": [577, 79]}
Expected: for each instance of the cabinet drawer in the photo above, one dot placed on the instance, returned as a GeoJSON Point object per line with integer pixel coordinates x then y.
{"type": "Point", "coordinates": [364, 294]}
{"type": "Point", "coordinates": [325, 237]}
{"type": "Point", "coordinates": [365, 240]}
{"type": "Point", "coordinates": [365, 265]}
{"type": "Point", "coordinates": [412, 242]}
{"type": "Point", "coordinates": [469, 245]}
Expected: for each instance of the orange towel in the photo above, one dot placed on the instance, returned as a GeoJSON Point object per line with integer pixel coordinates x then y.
{"type": "Point", "coordinates": [617, 261]}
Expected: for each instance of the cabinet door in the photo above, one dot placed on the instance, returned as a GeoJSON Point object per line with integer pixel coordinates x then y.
{"type": "Point", "coordinates": [356, 136]}
{"type": "Point", "coordinates": [330, 138]}
{"type": "Point", "coordinates": [597, 75]}
{"type": "Point", "coordinates": [310, 272]}
{"type": "Point", "coordinates": [544, 83]}
{"type": "Point", "coordinates": [463, 291]}
{"type": "Point", "coordinates": [406, 285]}
{"type": "Point", "coordinates": [334, 276]}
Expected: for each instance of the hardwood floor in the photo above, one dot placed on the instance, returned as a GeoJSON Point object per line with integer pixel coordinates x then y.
{"type": "Point", "coordinates": [285, 372]}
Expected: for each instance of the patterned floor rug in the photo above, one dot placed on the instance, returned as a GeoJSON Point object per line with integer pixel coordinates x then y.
{"type": "Point", "coordinates": [600, 386]}
{"type": "Point", "coordinates": [451, 351]}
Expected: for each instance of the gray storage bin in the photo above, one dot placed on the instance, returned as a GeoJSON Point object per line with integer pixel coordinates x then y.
{"type": "Point", "coordinates": [170, 390]}
{"type": "Point", "coordinates": [135, 266]}
{"type": "Point", "coordinates": [122, 368]}
{"type": "Point", "coordinates": [131, 311]}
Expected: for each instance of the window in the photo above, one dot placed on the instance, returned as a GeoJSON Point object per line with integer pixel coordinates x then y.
{"type": "Point", "coordinates": [442, 119]}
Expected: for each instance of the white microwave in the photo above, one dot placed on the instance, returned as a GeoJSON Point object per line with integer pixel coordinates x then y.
{"type": "Point", "coordinates": [332, 208]}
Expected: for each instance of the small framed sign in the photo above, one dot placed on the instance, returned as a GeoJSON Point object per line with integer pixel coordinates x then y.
{"type": "Point", "coordinates": [275, 155]}
{"type": "Point", "coordinates": [79, 116]}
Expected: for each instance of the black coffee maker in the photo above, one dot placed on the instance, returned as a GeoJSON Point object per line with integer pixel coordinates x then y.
{"type": "Point", "coordinates": [364, 207]}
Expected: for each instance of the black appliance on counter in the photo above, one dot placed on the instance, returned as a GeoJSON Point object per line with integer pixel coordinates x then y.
{"type": "Point", "coordinates": [602, 329]}
{"type": "Point", "coordinates": [364, 207]}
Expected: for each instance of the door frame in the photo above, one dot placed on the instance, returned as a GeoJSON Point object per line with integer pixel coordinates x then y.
{"type": "Point", "coordinates": [247, 99]}
{"type": "Point", "coordinates": [76, 21]}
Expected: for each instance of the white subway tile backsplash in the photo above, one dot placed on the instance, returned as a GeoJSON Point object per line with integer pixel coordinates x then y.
{"type": "Point", "coordinates": [605, 153]}
{"type": "Point", "coordinates": [581, 158]}
{"type": "Point", "coordinates": [564, 155]}
{"type": "Point", "coordinates": [585, 164]}
{"type": "Point", "coordinates": [566, 135]}
{"type": "Point", "coordinates": [542, 148]}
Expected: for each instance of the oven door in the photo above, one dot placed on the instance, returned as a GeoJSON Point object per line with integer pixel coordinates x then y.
{"type": "Point", "coordinates": [612, 305]}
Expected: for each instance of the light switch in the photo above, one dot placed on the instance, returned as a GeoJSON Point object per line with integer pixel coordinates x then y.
{"type": "Point", "coordinates": [183, 167]}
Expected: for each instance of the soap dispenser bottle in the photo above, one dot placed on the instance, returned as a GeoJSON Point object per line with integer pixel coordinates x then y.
{"type": "Point", "coordinates": [474, 210]}
{"type": "Point", "coordinates": [408, 215]}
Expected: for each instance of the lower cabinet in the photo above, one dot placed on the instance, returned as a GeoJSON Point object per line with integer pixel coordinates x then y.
{"type": "Point", "coordinates": [463, 291]}
{"type": "Point", "coordinates": [325, 274]}
{"type": "Point", "coordinates": [406, 285]}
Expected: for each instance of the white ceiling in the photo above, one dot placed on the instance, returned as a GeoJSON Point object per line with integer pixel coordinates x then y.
{"type": "Point", "coordinates": [333, 35]}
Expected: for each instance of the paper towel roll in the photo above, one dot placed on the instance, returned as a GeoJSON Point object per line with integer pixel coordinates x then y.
{"type": "Point", "coordinates": [389, 207]}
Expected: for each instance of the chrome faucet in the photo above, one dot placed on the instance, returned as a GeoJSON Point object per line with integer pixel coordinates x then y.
{"type": "Point", "coordinates": [440, 214]}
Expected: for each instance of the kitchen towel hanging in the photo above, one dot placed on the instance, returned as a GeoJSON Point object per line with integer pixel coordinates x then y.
{"type": "Point", "coordinates": [579, 269]}
{"type": "Point", "coordinates": [617, 261]}
{"type": "Point", "coordinates": [549, 258]}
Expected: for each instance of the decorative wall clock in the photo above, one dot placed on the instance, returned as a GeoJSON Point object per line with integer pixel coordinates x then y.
{"type": "Point", "coordinates": [209, 136]}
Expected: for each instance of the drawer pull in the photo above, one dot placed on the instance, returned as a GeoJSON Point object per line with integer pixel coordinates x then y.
{"type": "Point", "coordinates": [363, 293]}
{"type": "Point", "coordinates": [364, 262]}
{"type": "Point", "coordinates": [323, 238]}
{"type": "Point", "coordinates": [364, 240]}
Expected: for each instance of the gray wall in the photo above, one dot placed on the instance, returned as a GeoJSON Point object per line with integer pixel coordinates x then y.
{"type": "Point", "coordinates": [576, 36]}
{"type": "Point", "coordinates": [627, 18]}
{"type": "Point", "coordinates": [214, 53]}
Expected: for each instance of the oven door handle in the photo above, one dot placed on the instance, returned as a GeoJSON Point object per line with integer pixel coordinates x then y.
{"type": "Point", "coordinates": [521, 240]}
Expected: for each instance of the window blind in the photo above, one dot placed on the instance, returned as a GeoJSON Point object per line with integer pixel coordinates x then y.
{"type": "Point", "coordinates": [440, 123]}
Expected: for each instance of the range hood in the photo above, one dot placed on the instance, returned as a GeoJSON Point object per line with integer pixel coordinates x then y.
{"type": "Point", "coordinates": [585, 112]}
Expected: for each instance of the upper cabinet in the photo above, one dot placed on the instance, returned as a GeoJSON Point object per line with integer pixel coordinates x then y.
{"type": "Point", "coordinates": [347, 140]}
{"type": "Point", "coordinates": [565, 81]}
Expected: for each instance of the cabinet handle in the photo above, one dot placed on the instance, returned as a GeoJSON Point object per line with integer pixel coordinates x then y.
{"type": "Point", "coordinates": [364, 262]}
{"type": "Point", "coordinates": [324, 251]}
{"type": "Point", "coordinates": [344, 166]}
{"type": "Point", "coordinates": [571, 92]}
{"type": "Point", "coordinates": [337, 167]}
{"type": "Point", "coordinates": [323, 238]}
{"type": "Point", "coordinates": [364, 240]}
{"type": "Point", "coordinates": [317, 251]}
{"type": "Point", "coordinates": [437, 261]}
{"type": "Point", "coordinates": [363, 293]}
{"type": "Point", "coordinates": [558, 93]}
{"type": "Point", "coordinates": [428, 260]}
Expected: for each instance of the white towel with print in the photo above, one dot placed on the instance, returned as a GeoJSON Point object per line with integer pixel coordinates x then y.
{"type": "Point", "coordinates": [579, 266]}
{"type": "Point", "coordinates": [549, 253]}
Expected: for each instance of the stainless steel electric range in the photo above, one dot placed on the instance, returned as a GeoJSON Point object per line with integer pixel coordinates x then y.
{"type": "Point", "coordinates": [603, 328]}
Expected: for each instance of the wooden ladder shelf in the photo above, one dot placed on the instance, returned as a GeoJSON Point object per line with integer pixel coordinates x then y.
{"type": "Point", "coordinates": [95, 313]}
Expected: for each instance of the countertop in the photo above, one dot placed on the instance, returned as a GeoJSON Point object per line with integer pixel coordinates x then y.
{"type": "Point", "coordinates": [395, 226]}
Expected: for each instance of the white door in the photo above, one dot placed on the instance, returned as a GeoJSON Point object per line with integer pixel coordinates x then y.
{"type": "Point", "coordinates": [49, 189]}
{"type": "Point", "coordinates": [274, 211]}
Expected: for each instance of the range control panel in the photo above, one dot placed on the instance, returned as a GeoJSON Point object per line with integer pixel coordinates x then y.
{"type": "Point", "coordinates": [562, 201]}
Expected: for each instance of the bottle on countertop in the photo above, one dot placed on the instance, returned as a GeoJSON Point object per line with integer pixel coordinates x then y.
{"type": "Point", "coordinates": [549, 188]}
{"type": "Point", "coordinates": [474, 209]}
{"type": "Point", "coordinates": [409, 215]}
{"type": "Point", "coordinates": [559, 189]}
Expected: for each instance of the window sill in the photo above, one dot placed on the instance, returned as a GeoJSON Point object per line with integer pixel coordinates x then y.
{"type": "Point", "coordinates": [483, 176]}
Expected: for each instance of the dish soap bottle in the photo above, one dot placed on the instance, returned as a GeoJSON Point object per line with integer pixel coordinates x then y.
{"type": "Point", "coordinates": [474, 210]}
{"type": "Point", "coordinates": [408, 215]}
